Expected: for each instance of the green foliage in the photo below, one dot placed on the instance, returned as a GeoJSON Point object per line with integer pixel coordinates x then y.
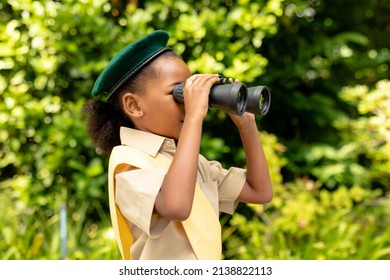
{"type": "Point", "coordinates": [362, 156]}
{"type": "Point", "coordinates": [305, 221]}
{"type": "Point", "coordinates": [45, 157]}
{"type": "Point", "coordinates": [321, 50]}
{"type": "Point", "coordinates": [327, 139]}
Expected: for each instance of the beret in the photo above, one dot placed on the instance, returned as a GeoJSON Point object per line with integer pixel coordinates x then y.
{"type": "Point", "coordinates": [127, 62]}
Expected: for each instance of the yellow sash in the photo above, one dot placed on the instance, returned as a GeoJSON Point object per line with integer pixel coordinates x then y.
{"type": "Point", "coordinates": [202, 226]}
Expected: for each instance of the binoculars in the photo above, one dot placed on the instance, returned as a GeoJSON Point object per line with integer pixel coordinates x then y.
{"type": "Point", "coordinates": [233, 98]}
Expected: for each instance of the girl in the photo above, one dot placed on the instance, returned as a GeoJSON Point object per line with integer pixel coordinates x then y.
{"type": "Point", "coordinates": [165, 197]}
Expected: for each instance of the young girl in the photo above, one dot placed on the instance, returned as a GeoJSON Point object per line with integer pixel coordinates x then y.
{"type": "Point", "coordinates": [165, 197]}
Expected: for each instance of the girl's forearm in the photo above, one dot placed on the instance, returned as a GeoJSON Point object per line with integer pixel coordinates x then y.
{"type": "Point", "coordinates": [258, 178]}
{"type": "Point", "coordinates": [177, 191]}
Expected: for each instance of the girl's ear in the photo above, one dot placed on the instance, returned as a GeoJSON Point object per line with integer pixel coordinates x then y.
{"type": "Point", "coordinates": [131, 106]}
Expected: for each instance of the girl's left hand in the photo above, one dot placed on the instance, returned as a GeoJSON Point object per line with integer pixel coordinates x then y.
{"type": "Point", "coordinates": [244, 120]}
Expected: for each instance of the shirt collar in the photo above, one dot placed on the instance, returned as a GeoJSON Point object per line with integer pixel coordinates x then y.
{"type": "Point", "coordinates": [145, 141]}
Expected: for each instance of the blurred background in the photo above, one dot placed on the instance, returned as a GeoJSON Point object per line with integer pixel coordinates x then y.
{"type": "Point", "coordinates": [326, 136]}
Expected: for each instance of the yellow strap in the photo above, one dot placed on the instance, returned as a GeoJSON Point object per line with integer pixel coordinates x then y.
{"type": "Point", "coordinates": [121, 158]}
{"type": "Point", "coordinates": [202, 227]}
{"type": "Point", "coordinates": [123, 235]}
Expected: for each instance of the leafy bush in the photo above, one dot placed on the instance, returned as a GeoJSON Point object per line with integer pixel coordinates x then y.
{"type": "Point", "coordinates": [306, 220]}
{"type": "Point", "coordinates": [327, 174]}
{"type": "Point", "coordinates": [46, 159]}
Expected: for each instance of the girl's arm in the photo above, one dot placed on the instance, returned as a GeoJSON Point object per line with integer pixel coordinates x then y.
{"type": "Point", "coordinates": [176, 195]}
{"type": "Point", "coordinates": [258, 187]}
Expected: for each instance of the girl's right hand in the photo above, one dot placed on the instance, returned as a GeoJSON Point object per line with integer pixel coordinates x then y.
{"type": "Point", "coordinates": [196, 95]}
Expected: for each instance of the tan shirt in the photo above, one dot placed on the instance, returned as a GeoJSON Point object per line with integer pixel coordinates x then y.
{"type": "Point", "coordinates": [136, 189]}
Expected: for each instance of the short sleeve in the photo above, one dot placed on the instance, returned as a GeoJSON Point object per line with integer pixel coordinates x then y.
{"type": "Point", "coordinates": [230, 183]}
{"type": "Point", "coordinates": [136, 193]}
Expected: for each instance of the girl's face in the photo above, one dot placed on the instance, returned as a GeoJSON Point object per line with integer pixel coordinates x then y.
{"type": "Point", "coordinates": [161, 114]}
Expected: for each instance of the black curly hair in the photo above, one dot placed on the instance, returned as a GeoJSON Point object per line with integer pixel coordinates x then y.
{"type": "Point", "coordinates": [104, 118]}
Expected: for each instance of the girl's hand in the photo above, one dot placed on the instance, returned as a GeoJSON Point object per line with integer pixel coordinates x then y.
{"type": "Point", "coordinates": [243, 121]}
{"type": "Point", "coordinates": [196, 94]}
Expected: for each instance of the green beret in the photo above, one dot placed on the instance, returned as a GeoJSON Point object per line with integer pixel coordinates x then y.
{"type": "Point", "coordinates": [129, 61]}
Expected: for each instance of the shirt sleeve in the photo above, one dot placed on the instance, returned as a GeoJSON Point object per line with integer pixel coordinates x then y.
{"type": "Point", "coordinates": [136, 192]}
{"type": "Point", "coordinates": [230, 183]}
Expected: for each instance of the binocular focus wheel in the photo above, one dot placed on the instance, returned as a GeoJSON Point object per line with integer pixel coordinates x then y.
{"type": "Point", "coordinates": [178, 91]}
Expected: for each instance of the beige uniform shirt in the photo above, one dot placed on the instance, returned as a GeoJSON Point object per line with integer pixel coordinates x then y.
{"type": "Point", "coordinates": [136, 189]}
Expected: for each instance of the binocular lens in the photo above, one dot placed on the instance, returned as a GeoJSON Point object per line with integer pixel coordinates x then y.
{"type": "Point", "coordinates": [239, 97]}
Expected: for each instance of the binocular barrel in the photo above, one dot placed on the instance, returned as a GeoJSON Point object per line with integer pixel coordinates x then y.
{"type": "Point", "coordinates": [234, 98]}
{"type": "Point", "coordinates": [259, 100]}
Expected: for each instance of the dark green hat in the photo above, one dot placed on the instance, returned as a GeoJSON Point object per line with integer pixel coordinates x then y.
{"type": "Point", "coordinates": [129, 61]}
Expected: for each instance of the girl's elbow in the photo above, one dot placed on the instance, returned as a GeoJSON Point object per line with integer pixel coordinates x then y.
{"type": "Point", "coordinates": [179, 215]}
{"type": "Point", "coordinates": [269, 194]}
{"type": "Point", "coordinates": [267, 198]}
{"type": "Point", "coordinates": [171, 208]}
{"type": "Point", "coordinates": [176, 213]}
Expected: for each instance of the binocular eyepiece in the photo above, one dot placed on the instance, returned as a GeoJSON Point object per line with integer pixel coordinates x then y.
{"type": "Point", "coordinates": [233, 98]}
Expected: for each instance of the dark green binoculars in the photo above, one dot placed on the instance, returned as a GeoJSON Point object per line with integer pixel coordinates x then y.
{"type": "Point", "coordinates": [234, 98]}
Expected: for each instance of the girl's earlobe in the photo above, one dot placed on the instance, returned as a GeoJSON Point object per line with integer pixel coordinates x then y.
{"type": "Point", "coordinates": [131, 105]}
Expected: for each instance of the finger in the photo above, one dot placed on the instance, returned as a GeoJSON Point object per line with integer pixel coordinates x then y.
{"type": "Point", "coordinates": [191, 79]}
{"type": "Point", "coordinates": [204, 79]}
